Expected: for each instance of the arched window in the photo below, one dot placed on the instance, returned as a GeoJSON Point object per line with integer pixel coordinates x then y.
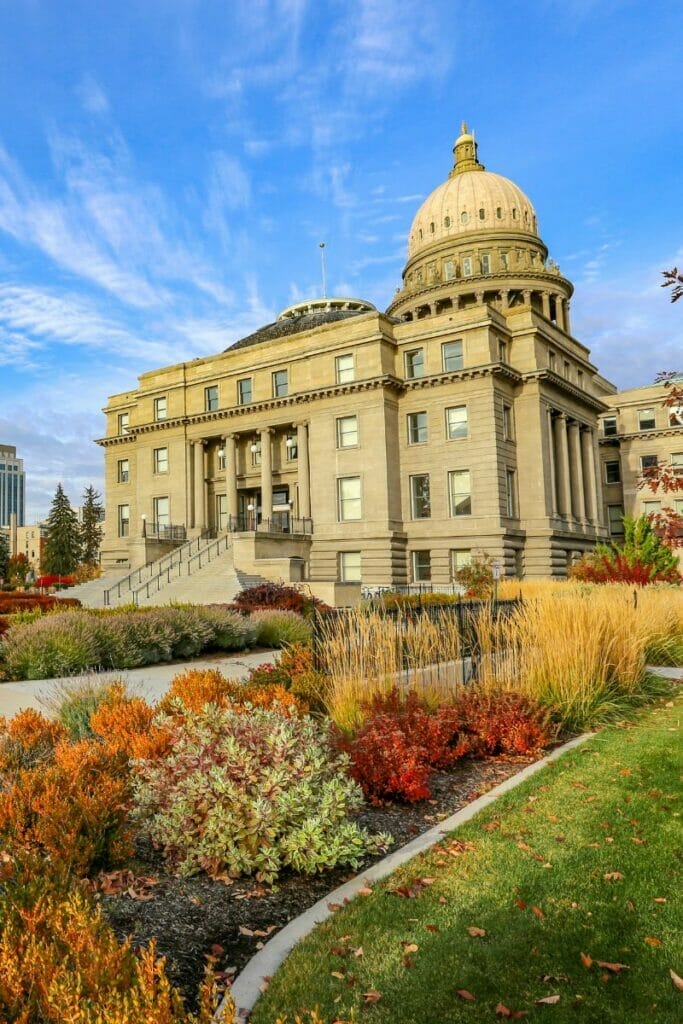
{"type": "Point", "coordinates": [514, 213]}
{"type": "Point", "coordinates": [447, 222]}
{"type": "Point", "coordinates": [499, 212]}
{"type": "Point", "coordinates": [464, 217]}
{"type": "Point", "coordinates": [431, 227]}
{"type": "Point", "coordinates": [420, 234]}
{"type": "Point", "coordinates": [482, 213]}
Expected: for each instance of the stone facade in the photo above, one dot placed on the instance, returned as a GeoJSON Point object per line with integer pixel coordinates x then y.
{"type": "Point", "coordinates": [384, 446]}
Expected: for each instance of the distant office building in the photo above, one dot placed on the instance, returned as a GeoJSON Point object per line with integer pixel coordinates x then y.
{"type": "Point", "coordinates": [12, 486]}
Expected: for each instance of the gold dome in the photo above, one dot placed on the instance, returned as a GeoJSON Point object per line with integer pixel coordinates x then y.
{"type": "Point", "coordinates": [471, 200]}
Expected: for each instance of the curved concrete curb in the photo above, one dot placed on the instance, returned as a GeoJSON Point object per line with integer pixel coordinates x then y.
{"type": "Point", "coordinates": [247, 985]}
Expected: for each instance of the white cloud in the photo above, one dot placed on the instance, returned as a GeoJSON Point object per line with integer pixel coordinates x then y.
{"type": "Point", "coordinates": [92, 96]}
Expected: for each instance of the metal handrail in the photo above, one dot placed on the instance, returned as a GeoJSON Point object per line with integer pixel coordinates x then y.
{"type": "Point", "coordinates": [176, 556]}
{"type": "Point", "coordinates": [164, 575]}
{"type": "Point", "coordinates": [225, 541]}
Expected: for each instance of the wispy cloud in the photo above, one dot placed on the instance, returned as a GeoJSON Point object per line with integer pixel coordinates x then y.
{"type": "Point", "coordinates": [92, 96]}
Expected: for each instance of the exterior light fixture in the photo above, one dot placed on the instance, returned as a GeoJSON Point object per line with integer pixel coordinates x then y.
{"type": "Point", "coordinates": [254, 446]}
{"type": "Point", "coordinates": [250, 508]}
{"type": "Point", "coordinates": [221, 453]}
{"type": "Point", "coordinates": [290, 442]}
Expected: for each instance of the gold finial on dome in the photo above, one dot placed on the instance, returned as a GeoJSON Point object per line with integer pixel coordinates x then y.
{"type": "Point", "coordinates": [465, 152]}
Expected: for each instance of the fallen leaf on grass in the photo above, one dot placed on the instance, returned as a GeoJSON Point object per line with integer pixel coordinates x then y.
{"type": "Point", "coordinates": [217, 950]}
{"type": "Point", "coordinates": [476, 933]}
{"type": "Point", "coordinates": [659, 899]}
{"type": "Point", "coordinates": [521, 904]}
{"type": "Point", "coordinates": [464, 994]}
{"type": "Point", "coordinates": [652, 941]}
{"type": "Point", "coordinates": [613, 876]}
{"type": "Point", "coordinates": [334, 907]}
{"type": "Point", "coordinates": [503, 1011]}
{"type": "Point", "coordinates": [491, 826]}
{"type": "Point", "coordinates": [338, 974]}
{"type": "Point", "coordinates": [586, 960]}
{"type": "Point", "coordinates": [373, 996]}
{"type": "Point", "coordinates": [432, 928]}
{"type": "Point", "coordinates": [538, 912]}
{"type": "Point", "coordinates": [364, 891]}
{"type": "Point", "coordinates": [606, 965]}
{"type": "Point", "coordinates": [358, 952]}
{"type": "Point", "coordinates": [548, 1001]}
{"type": "Point", "coordinates": [410, 947]}
{"type": "Point", "coordinates": [678, 982]}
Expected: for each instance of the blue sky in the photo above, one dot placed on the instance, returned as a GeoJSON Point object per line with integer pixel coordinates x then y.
{"type": "Point", "coordinates": [168, 167]}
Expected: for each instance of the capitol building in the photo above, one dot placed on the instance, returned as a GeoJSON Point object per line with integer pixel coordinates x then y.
{"type": "Point", "coordinates": [345, 443]}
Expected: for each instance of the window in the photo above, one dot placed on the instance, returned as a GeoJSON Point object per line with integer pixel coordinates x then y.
{"type": "Point", "coordinates": [676, 416]}
{"type": "Point", "coordinates": [449, 270]}
{"type": "Point", "coordinates": [567, 370]}
{"type": "Point", "coordinates": [211, 398]}
{"type": "Point", "coordinates": [255, 449]}
{"type": "Point", "coordinates": [421, 564]}
{"type": "Point", "coordinates": [678, 506]}
{"type": "Point", "coordinates": [615, 520]}
{"type": "Point", "coordinates": [349, 566]}
{"type": "Point", "coordinates": [220, 455]}
{"type": "Point", "coordinates": [451, 356]}
{"type": "Point", "coordinates": [124, 520]}
{"type": "Point", "coordinates": [162, 513]}
{"type": "Point", "coordinates": [503, 261]}
{"type": "Point", "coordinates": [431, 227]}
{"type": "Point", "coordinates": [456, 422]}
{"type": "Point", "coordinates": [124, 422]}
{"type": "Point", "coordinates": [613, 472]}
{"type": "Point", "coordinates": [646, 419]}
{"type": "Point", "coordinates": [417, 427]}
{"type": "Point", "coordinates": [464, 217]}
{"type": "Point", "coordinates": [508, 423]}
{"type": "Point", "coordinates": [344, 369]}
{"type": "Point", "coordinates": [486, 264]}
{"type": "Point", "coordinates": [579, 378]}
{"type": "Point", "coordinates": [482, 213]}
{"type": "Point", "coordinates": [647, 464]}
{"type": "Point", "coordinates": [160, 408]}
{"type": "Point", "coordinates": [244, 391]}
{"type": "Point", "coordinates": [551, 361]}
{"type": "Point", "coordinates": [609, 426]}
{"type": "Point", "coordinates": [347, 432]}
{"type": "Point", "coordinates": [280, 384]}
{"type": "Point", "coordinates": [161, 460]}
{"type": "Point", "coordinates": [447, 222]}
{"type": "Point", "coordinates": [467, 266]}
{"type": "Point", "coordinates": [677, 463]}
{"type": "Point", "coordinates": [348, 498]}
{"type": "Point", "coordinates": [502, 351]}
{"type": "Point", "coordinates": [460, 558]}
{"type": "Point", "coordinates": [123, 474]}
{"type": "Point", "coordinates": [415, 363]}
{"type": "Point", "coordinates": [459, 492]}
{"type": "Point", "coordinates": [510, 494]}
{"type": "Point", "coordinates": [420, 505]}
{"type": "Point", "coordinates": [651, 508]}
{"type": "Point", "coordinates": [291, 448]}
{"type": "Point", "coordinates": [499, 212]}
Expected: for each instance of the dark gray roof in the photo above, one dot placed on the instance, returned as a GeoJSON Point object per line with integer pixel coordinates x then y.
{"type": "Point", "coordinates": [294, 325]}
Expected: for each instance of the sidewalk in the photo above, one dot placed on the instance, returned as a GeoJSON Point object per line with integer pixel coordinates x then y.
{"type": "Point", "coordinates": [150, 682]}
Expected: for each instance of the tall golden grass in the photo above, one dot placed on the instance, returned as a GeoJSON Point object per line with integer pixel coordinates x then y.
{"type": "Point", "coordinates": [580, 649]}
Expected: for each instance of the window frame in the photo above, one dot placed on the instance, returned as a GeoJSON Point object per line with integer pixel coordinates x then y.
{"type": "Point", "coordinates": [240, 395]}
{"type": "Point", "coordinates": [211, 398]}
{"type": "Point", "coordinates": [467, 266]}
{"type": "Point", "coordinates": [409, 363]}
{"type": "Point", "coordinates": [342, 501]}
{"type": "Point", "coordinates": [157, 463]}
{"type": "Point", "coordinates": [453, 567]}
{"type": "Point", "coordinates": [612, 532]}
{"type": "Point", "coordinates": [485, 261]}
{"type": "Point", "coordinates": [456, 437]}
{"type": "Point", "coordinates": [342, 568]}
{"type": "Point", "coordinates": [340, 371]}
{"type": "Point", "coordinates": [424, 509]}
{"type": "Point", "coordinates": [508, 422]}
{"type": "Point", "coordinates": [611, 432]}
{"type": "Point", "coordinates": [612, 462]}
{"type": "Point", "coordinates": [156, 518]}
{"type": "Point", "coordinates": [158, 414]}
{"type": "Point", "coordinates": [123, 423]}
{"type": "Point", "coordinates": [291, 450]}
{"type": "Point", "coordinates": [452, 503]}
{"type": "Point", "coordinates": [123, 476]}
{"type": "Point", "coordinates": [414, 435]}
{"type": "Point", "coordinates": [416, 572]}
{"type": "Point", "coordinates": [648, 462]}
{"type": "Point", "coordinates": [280, 388]}
{"type": "Point", "coordinates": [123, 530]}
{"type": "Point", "coordinates": [341, 434]}
{"type": "Point", "coordinates": [511, 502]}
{"type": "Point", "coordinates": [651, 424]}
{"type": "Point", "coordinates": [458, 356]}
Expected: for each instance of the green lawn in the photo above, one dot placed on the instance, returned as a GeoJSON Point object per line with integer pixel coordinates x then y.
{"type": "Point", "coordinates": [581, 859]}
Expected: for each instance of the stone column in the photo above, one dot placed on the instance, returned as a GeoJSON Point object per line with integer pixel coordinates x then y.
{"type": "Point", "coordinates": [563, 478]}
{"type": "Point", "coordinates": [230, 475]}
{"type": "Point", "coordinates": [545, 298]}
{"type": "Point", "coordinates": [199, 487]}
{"type": "Point", "coordinates": [600, 518]}
{"type": "Point", "coordinates": [304, 471]}
{"type": "Point", "coordinates": [479, 296]}
{"type": "Point", "coordinates": [577, 492]}
{"type": "Point", "coordinates": [589, 475]}
{"type": "Point", "coordinates": [567, 323]}
{"type": "Point", "coordinates": [505, 299]}
{"type": "Point", "coordinates": [266, 474]}
{"type": "Point", "coordinates": [526, 294]}
{"type": "Point", "coordinates": [551, 462]}
{"type": "Point", "coordinates": [559, 311]}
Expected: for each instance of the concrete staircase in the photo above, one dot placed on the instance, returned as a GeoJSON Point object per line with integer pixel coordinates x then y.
{"type": "Point", "coordinates": [91, 594]}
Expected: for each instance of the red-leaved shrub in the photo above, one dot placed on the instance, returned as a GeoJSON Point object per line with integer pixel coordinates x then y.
{"type": "Point", "coordinates": [14, 601]}
{"type": "Point", "coordinates": [503, 723]}
{"type": "Point", "coordinates": [277, 595]}
{"type": "Point", "coordinates": [620, 569]}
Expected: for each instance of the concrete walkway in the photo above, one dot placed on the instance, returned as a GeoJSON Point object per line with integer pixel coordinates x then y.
{"type": "Point", "coordinates": [150, 682]}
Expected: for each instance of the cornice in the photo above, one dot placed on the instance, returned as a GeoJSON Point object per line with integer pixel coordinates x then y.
{"type": "Point", "coordinates": [645, 434]}
{"type": "Point", "coordinates": [564, 385]}
{"type": "Point", "coordinates": [119, 439]}
{"type": "Point", "coordinates": [457, 286]}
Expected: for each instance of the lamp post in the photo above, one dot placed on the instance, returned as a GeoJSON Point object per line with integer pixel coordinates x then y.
{"type": "Point", "coordinates": [144, 525]}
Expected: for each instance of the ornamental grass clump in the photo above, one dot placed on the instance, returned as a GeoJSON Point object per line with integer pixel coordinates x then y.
{"type": "Point", "coordinates": [251, 794]}
{"type": "Point", "coordinates": [277, 628]}
{"type": "Point", "coordinates": [55, 645]}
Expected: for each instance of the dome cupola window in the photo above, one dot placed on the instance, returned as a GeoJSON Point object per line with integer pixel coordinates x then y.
{"type": "Point", "coordinates": [485, 263]}
{"type": "Point", "coordinates": [514, 213]}
{"type": "Point", "coordinates": [431, 227]}
{"type": "Point", "coordinates": [467, 266]}
{"type": "Point", "coordinates": [499, 212]}
{"type": "Point", "coordinates": [447, 222]}
{"type": "Point", "coordinates": [464, 217]}
{"type": "Point", "coordinates": [482, 213]}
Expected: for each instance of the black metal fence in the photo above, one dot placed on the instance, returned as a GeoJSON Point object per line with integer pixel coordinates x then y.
{"type": "Point", "coordinates": [465, 613]}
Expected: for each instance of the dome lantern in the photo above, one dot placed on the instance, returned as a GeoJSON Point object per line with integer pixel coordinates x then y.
{"type": "Point", "coordinates": [465, 152]}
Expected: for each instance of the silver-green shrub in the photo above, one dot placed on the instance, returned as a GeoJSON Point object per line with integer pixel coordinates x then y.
{"type": "Point", "coordinates": [251, 794]}
{"type": "Point", "coordinates": [54, 645]}
{"type": "Point", "coordinates": [231, 630]}
{"type": "Point", "coordinates": [277, 628]}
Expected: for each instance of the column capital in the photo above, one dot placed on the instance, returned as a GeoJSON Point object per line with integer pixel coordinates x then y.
{"type": "Point", "coordinates": [267, 431]}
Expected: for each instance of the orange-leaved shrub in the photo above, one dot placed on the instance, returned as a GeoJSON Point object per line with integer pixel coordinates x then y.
{"type": "Point", "coordinates": [504, 722]}
{"type": "Point", "coordinates": [196, 688]}
{"type": "Point", "coordinates": [60, 962]}
{"type": "Point", "coordinates": [26, 740]}
{"type": "Point", "coordinates": [126, 725]}
{"type": "Point", "coordinates": [71, 810]}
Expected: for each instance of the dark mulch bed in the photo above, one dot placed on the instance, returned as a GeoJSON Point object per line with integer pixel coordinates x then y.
{"type": "Point", "coordinates": [190, 916]}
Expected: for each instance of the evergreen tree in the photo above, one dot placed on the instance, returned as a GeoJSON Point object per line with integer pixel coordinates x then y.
{"type": "Point", "coordinates": [4, 554]}
{"type": "Point", "coordinates": [91, 526]}
{"type": "Point", "coordinates": [63, 541]}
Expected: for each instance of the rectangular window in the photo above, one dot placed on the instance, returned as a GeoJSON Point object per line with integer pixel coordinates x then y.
{"type": "Point", "coordinates": [291, 448]}
{"type": "Point", "coordinates": [161, 460]}
{"type": "Point", "coordinates": [347, 431]}
{"type": "Point", "coordinates": [417, 427]}
{"type": "Point", "coordinates": [456, 422]}
{"type": "Point", "coordinates": [508, 423]}
{"type": "Point", "coordinates": [124, 422]}
{"type": "Point", "coordinates": [451, 356]}
{"type": "Point", "coordinates": [415, 363]}
{"type": "Point", "coordinates": [348, 498]}
{"type": "Point", "coordinates": [460, 495]}
{"type": "Point", "coordinates": [677, 463]}
{"type": "Point", "coordinates": [255, 449]}
{"type": "Point", "coordinates": [615, 520]}
{"type": "Point", "coordinates": [449, 270]}
{"type": "Point", "coordinates": [160, 408]}
{"type": "Point", "coordinates": [349, 566]}
{"type": "Point", "coordinates": [510, 494]}
{"type": "Point", "coordinates": [123, 474]}
{"type": "Point", "coordinates": [678, 506]}
{"type": "Point", "coordinates": [648, 463]}
{"type": "Point", "coordinates": [646, 419]}
{"type": "Point", "coordinates": [280, 384]}
{"type": "Point", "coordinates": [420, 505]}
{"type": "Point", "coordinates": [613, 472]}
{"type": "Point", "coordinates": [502, 351]}
{"type": "Point", "coordinates": [579, 378]}
{"type": "Point", "coordinates": [124, 520]}
{"type": "Point", "coordinates": [485, 264]}
{"type": "Point", "coordinates": [467, 266]}
{"type": "Point", "coordinates": [221, 458]}
{"type": "Point", "coordinates": [244, 391]}
{"type": "Point", "coordinates": [460, 558]}
{"type": "Point", "coordinates": [211, 398]}
{"type": "Point", "coordinates": [344, 369]}
{"type": "Point", "coordinates": [567, 370]}
{"type": "Point", "coordinates": [503, 261]}
{"type": "Point", "coordinates": [609, 426]}
{"type": "Point", "coordinates": [551, 361]}
{"type": "Point", "coordinates": [162, 513]}
{"type": "Point", "coordinates": [651, 508]}
{"type": "Point", "coordinates": [421, 564]}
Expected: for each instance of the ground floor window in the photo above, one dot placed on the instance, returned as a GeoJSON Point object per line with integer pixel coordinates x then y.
{"type": "Point", "coordinates": [459, 559]}
{"type": "Point", "coordinates": [162, 512]}
{"type": "Point", "coordinates": [124, 520]}
{"type": "Point", "coordinates": [349, 566]}
{"type": "Point", "coordinates": [421, 566]}
{"type": "Point", "coordinates": [615, 520]}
